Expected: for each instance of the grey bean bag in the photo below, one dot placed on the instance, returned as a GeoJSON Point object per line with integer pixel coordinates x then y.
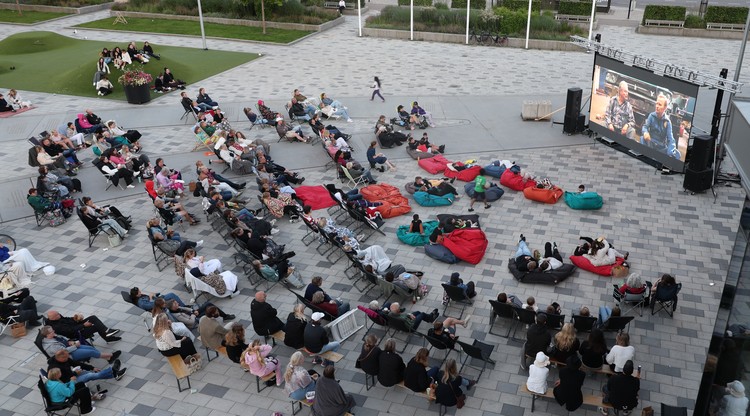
{"type": "Point", "coordinates": [418, 155]}
{"type": "Point", "coordinates": [493, 193]}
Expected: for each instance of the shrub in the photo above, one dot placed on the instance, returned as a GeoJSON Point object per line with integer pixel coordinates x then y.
{"type": "Point", "coordinates": [574, 8]}
{"type": "Point", "coordinates": [423, 3]}
{"type": "Point", "coordinates": [291, 11]}
{"type": "Point", "coordinates": [475, 4]}
{"type": "Point", "coordinates": [654, 12]}
{"type": "Point", "coordinates": [724, 14]}
{"type": "Point", "coordinates": [441, 6]}
{"type": "Point", "coordinates": [693, 21]}
{"type": "Point", "coordinates": [521, 5]}
{"type": "Point", "coordinates": [512, 21]}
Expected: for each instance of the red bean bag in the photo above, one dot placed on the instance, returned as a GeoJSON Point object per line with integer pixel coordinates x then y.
{"type": "Point", "coordinates": [547, 196]}
{"type": "Point", "coordinates": [585, 264]}
{"type": "Point", "coordinates": [317, 197]}
{"type": "Point", "coordinates": [515, 181]}
{"type": "Point", "coordinates": [466, 175]}
{"type": "Point", "coordinates": [468, 244]}
{"type": "Point", "coordinates": [394, 204]}
{"type": "Point", "coordinates": [434, 164]}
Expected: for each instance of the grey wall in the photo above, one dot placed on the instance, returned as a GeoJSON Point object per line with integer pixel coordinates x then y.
{"type": "Point", "coordinates": [737, 138]}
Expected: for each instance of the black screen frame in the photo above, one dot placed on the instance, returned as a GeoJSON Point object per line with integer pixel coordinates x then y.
{"type": "Point", "coordinates": [664, 82]}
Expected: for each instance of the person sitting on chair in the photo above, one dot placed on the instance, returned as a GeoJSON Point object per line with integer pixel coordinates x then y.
{"type": "Point", "coordinates": [71, 391]}
{"type": "Point", "coordinates": [657, 130]}
{"type": "Point", "coordinates": [52, 343]}
{"type": "Point", "coordinates": [419, 111]}
{"type": "Point", "coordinates": [263, 315]}
{"type": "Point", "coordinates": [286, 130]}
{"type": "Point", "coordinates": [146, 302]}
{"type": "Point", "coordinates": [413, 319]}
{"type": "Point", "coordinates": [618, 116]}
{"type": "Point", "coordinates": [330, 398]}
{"type": "Point", "coordinates": [620, 353]}
{"type": "Point", "coordinates": [468, 288]}
{"type": "Point", "coordinates": [298, 382]}
{"type": "Point", "coordinates": [316, 339]}
{"type": "Point", "coordinates": [101, 216]}
{"type": "Point", "coordinates": [390, 365]}
{"type": "Point", "coordinates": [22, 306]}
{"type": "Point", "coordinates": [316, 286]}
{"type": "Point", "coordinates": [665, 289]}
{"type": "Point", "coordinates": [538, 337]}
{"type": "Point", "coordinates": [78, 325]}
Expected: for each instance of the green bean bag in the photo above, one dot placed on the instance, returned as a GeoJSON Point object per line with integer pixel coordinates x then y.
{"type": "Point", "coordinates": [416, 239]}
{"type": "Point", "coordinates": [586, 200]}
{"type": "Point", "coordinates": [428, 200]}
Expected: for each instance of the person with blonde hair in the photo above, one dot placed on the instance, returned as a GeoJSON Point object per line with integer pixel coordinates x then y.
{"type": "Point", "coordinates": [168, 345]}
{"type": "Point", "coordinates": [298, 380]}
{"type": "Point", "coordinates": [296, 322]}
{"type": "Point", "coordinates": [450, 383]}
{"type": "Point", "coordinates": [179, 328]}
{"type": "Point", "coordinates": [418, 375]}
{"type": "Point", "coordinates": [59, 392]}
{"type": "Point", "coordinates": [620, 353]}
{"type": "Point", "coordinates": [15, 100]}
{"type": "Point", "coordinates": [565, 343]}
{"type": "Point", "coordinates": [369, 356]}
{"type": "Point", "coordinates": [259, 362]}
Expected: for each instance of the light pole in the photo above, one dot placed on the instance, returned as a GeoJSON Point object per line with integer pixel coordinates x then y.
{"type": "Point", "coordinates": [528, 26]}
{"type": "Point", "coordinates": [203, 31]}
{"type": "Point", "coordinates": [591, 23]}
{"type": "Point", "coordinates": [468, 4]}
{"type": "Point", "coordinates": [359, 16]}
{"type": "Point", "coordinates": [411, 20]}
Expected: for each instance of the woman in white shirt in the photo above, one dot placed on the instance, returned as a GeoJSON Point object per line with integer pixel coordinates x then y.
{"type": "Point", "coordinates": [537, 381]}
{"type": "Point", "coordinates": [168, 345]}
{"type": "Point", "coordinates": [297, 378]}
{"type": "Point", "coordinates": [620, 353]}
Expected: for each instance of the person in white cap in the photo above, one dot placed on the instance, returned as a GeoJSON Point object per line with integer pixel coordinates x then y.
{"type": "Point", "coordinates": [734, 403]}
{"type": "Point", "coordinates": [316, 339]}
{"type": "Point", "coordinates": [537, 381]}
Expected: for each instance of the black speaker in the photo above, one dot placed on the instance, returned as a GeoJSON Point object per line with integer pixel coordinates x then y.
{"type": "Point", "coordinates": [702, 152]}
{"type": "Point", "coordinates": [569, 125]}
{"type": "Point", "coordinates": [581, 123]}
{"type": "Point", "coordinates": [573, 105]}
{"type": "Point", "coordinates": [698, 180]}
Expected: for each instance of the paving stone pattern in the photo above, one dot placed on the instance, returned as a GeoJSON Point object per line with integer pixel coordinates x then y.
{"type": "Point", "coordinates": [645, 213]}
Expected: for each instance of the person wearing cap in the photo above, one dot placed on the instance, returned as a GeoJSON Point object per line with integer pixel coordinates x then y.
{"type": "Point", "coordinates": [537, 381]}
{"type": "Point", "coordinates": [734, 403]}
{"type": "Point", "coordinates": [265, 321]}
{"type": "Point", "coordinates": [567, 389]}
{"type": "Point", "coordinates": [316, 339]}
{"type": "Point", "coordinates": [538, 337]}
{"type": "Point", "coordinates": [416, 109]}
{"type": "Point", "coordinates": [621, 390]}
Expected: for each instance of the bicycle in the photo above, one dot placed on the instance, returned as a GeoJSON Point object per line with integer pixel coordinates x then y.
{"type": "Point", "coordinates": [8, 241]}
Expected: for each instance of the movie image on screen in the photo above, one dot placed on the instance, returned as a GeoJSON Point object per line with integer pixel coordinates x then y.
{"type": "Point", "coordinates": [645, 112]}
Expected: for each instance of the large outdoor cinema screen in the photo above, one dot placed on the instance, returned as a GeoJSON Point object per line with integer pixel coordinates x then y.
{"type": "Point", "coordinates": [647, 113]}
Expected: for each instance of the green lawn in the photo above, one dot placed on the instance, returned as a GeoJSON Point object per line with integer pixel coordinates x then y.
{"type": "Point", "coordinates": [187, 27]}
{"type": "Point", "coordinates": [48, 62]}
{"type": "Point", "coordinates": [11, 16]}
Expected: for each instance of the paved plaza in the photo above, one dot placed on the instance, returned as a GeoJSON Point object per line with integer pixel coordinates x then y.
{"type": "Point", "coordinates": [475, 95]}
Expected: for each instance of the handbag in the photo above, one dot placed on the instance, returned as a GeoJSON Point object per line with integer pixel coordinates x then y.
{"type": "Point", "coordinates": [56, 218]}
{"type": "Point", "coordinates": [195, 364]}
{"type": "Point", "coordinates": [114, 239]}
{"type": "Point", "coordinates": [432, 391]}
{"type": "Point", "coordinates": [460, 400]}
{"type": "Point", "coordinates": [18, 329]}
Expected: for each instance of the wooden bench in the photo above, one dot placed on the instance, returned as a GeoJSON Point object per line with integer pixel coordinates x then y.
{"type": "Point", "coordinates": [725, 26]}
{"type": "Point", "coordinates": [421, 394]}
{"type": "Point", "coordinates": [276, 336]}
{"type": "Point", "coordinates": [328, 355]}
{"type": "Point", "coordinates": [665, 23]}
{"type": "Point", "coordinates": [573, 18]}
{"type": "Point", "coordinates": [588, 399]}
{"type": "Point", "coordinates": [268, 377]}
{"type": "Point", "coordinates": [221, 351]}
{"type": "Point", "coordinates": [180, 370]}
{"type": "Point", "coordinates": [297, 405]}
{"type": "Point", "coordinates": [605, 369]}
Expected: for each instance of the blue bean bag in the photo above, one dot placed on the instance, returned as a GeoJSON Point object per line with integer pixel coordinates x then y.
{"type": "Point", "coordinates": [493, 193]}
{"type": "Point", "coordinates": [586, 200]}
{"type": "Point", "coordinates": [440, 252]}
{"type": "Point", "coordinates": [416, 239]}
{"type": "Point", "coordinates": [494, 169]}
{"type": "Point", "coordinates": [428, 200]}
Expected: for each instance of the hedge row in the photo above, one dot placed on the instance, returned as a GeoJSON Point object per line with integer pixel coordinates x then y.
{"type": "Point", "coordinates": [536, 5]}
{"type": "Point", "coordinates": [654, 12]}
{"type": "Point", "coordinates": [475, 4]}
{"type": "Point", "coordinates": [725, 14]}
{"type": "Point", "coordinates": [423, 3]}
{"type": "Point", "coordinates": [574, 8]}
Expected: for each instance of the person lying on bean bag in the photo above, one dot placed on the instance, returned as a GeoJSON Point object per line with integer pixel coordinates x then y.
{"type": "Point", "coordinates": [497, 167]}
{"type": "Point", "coordinates": [543, 192]}
{"type": "Point", "coordinates": [583, 200]}
{"type": "Point", "coordinates": [550, 268]}
{"type": "Point", "coordinates": [514, 179]}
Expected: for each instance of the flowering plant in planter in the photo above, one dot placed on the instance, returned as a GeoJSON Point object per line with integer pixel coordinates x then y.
{"type": "Point", "coordinates": [135, 77]}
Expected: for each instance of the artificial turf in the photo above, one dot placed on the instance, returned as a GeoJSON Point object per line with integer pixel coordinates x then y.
{"type": "Point", "coordinates": [52, 63]}
{"type": "Point", "coordinates": [189, 27]}
{"type": "Point", "coordinates": [27, 16]}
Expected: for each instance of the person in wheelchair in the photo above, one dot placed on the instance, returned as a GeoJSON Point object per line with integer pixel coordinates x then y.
{"type": "Point", "coordinates": [405, 119]}
{"type": "Point", "coordinates": [419, 111]}
{"type": "Point", "coordinates": [387, 137]}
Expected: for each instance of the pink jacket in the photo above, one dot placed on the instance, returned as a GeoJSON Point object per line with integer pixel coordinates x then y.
{"type": "Point", "coordinates": [83, 122]}
{"type": "Point", "coordinates": [260, 368]}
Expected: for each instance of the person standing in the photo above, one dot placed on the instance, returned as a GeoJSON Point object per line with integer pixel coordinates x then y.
{"type": "Point", "coordinates": [342, 6]}
{"type": "Point", "coordinates": [480, 184]}
{"type": "Point", "coordinates": [376, 89]}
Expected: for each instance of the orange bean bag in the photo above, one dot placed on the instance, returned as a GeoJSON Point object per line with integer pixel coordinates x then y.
{"type": "Point", "coordinates": [547, 196]}
{"type": "Point", "coordinates": [515, 181]}
{"type": "Point", "coordinates": [394, 204]}
{"type": "Point", "coordinates": [434, 164]}
{"type": "Point", "coordinates": [468, 244]}
{"type": "Point", "coordinates": [585, 264]}
{"type": "Point", "coordinates": [466, 175]}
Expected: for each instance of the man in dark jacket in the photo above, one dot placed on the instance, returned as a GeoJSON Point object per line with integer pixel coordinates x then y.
{"type": "Point", "coordinates": [621, 391]}
{"type": "Point", "coordinates": [75, 326]}
{"type": "Point", "coordinates": [538, 338]}
{"type": "Point", "coordinates": [82, 371]}
{"type": "Point", "coordinates": [316, 338]}
{"type": "Point", "coordinates": [265, 321]}
{"type": "Point", "coordinates": [23, 305]}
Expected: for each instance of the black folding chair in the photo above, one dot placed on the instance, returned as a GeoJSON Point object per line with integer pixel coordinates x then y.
{"type": "Point", "coordinates": [555, 321]}
{"type": "Point", "coordinates": [666, 298]}
{"type": "Point", "coordinates": [477, 350]}
{"type": "Point", "coordinates": [56, 408]}
{"type": "Point", "coordinates": [583, 324]}
{"type": "Point", "coordinates": [189, 110]}
{"type": "Point", "coordinates": [93, 226]}
{"type": "Point", "coordinates": [525, 317]}
{"type": "Point", "coordinates": [400, 325]}
{"type": "Point", "coordinates": [505, 311]}
{"type": "Point", "coordinates": [617, 323]}
{"type": "Point", "coordinates": [458, 295]}
{"type": "Point", "coordinates": [161, 256]}
{"type": "Point", "coordinates": [440, 345]}
{"type": "Point", "coordinates": [381, 321]}
{"type": "Point", "coordinates": [667, 410]}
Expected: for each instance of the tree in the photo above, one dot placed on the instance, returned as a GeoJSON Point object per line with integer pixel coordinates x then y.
{"type": "Point", "coordinates": [272, 3]}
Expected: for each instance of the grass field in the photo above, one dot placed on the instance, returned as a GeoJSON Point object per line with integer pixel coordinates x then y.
{"type": "Point", "coordinates": [187, 27]}
{"type": "Point", "coordinates": [11, 16]}
{"type": "Point", "coordinates": [48, 62]}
